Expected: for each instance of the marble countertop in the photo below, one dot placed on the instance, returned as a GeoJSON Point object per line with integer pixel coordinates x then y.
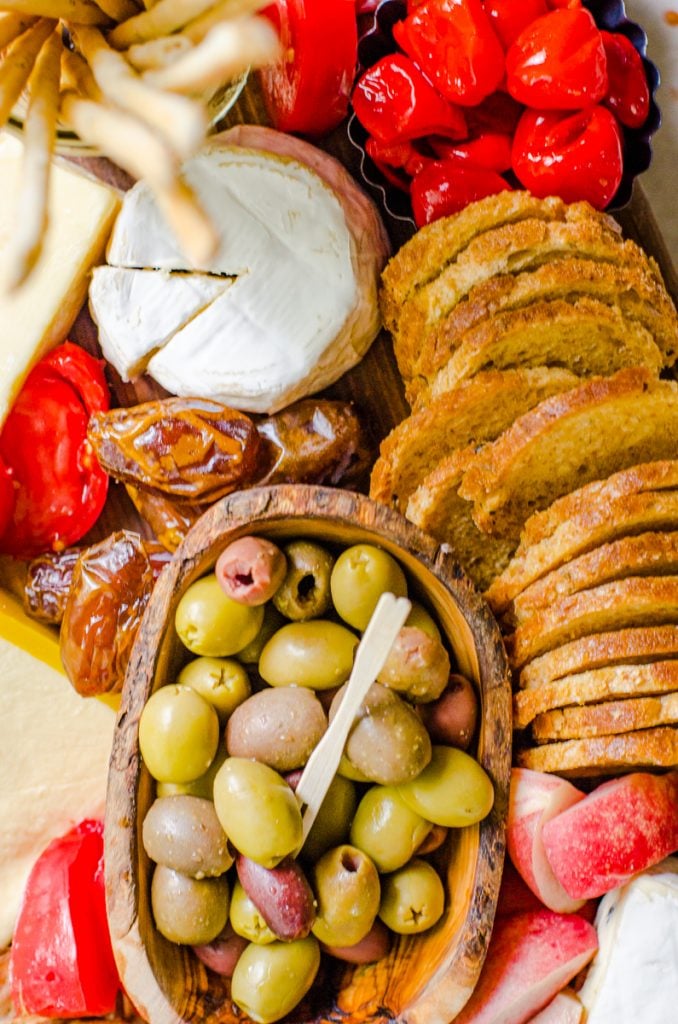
{"type": "Point", "coordinates": [661, 180]}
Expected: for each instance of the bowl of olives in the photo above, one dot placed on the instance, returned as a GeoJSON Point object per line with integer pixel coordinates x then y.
{"type": "Point", "coordinates": [222, 906]}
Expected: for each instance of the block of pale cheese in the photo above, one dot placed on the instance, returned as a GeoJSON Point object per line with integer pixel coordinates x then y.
{"type": "Point", "coordinates": [54, 752]}
{"type": "Point", "coordinates": [40, 314]}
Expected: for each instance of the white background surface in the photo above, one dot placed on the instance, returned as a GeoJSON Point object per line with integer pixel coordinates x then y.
{"type": "Point", "coordinates": [661, 181]}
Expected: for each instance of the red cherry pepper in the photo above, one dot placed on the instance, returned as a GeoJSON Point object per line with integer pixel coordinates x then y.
{"type": "Point", "coordinates": [558, 62]}
{"type": "Point", "coordinates": [455, 45]}
{"type": "Point", "coordinates": [397, 154]}
{"type": "Point", "coordinates": [447, 186]}
{"type": "Point", "coordinates": [498, 113]}
{"type": "Point", "coordinates": [61, 961]}
{"type": "Point", "coordinates": [575, 156]}
{"type": "Point", "coordinates": [560, 5]}
{"type": "Point", "coordinates": [628, 94]}
{"type": "Point", "coordinates": [394, 101]}
{"type": "Point", "coordinates": [490, 151]}
{"type": "Point", "coordinates": [510, 17]}
{"type": "Point", "coordinates": [60, 486]}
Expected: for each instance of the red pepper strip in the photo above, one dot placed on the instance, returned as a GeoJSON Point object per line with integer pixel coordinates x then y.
{"type": "Point", "coordinates": [510, 17]}
{"type": "Point", "coordinates": [575, 156]}
{"type": "Point", "coordinates": [61, 961]}
{"type": "Point", "coordinates": [395, 102]}
{"type": "Point", "coordinates": [454, 44]}
{"type": "Point", "coordinates": [446, 186]}
{"type": "Point", "coordinates": [7, 496]}
{"type": "Point", "coordinates": [628, 94]}
{"type": "Point", "coordinates": [491, 151]}
{"type": "Point", "coordinates": [60, 486]}
{"type": "Point", "coordinates": [558, 62]}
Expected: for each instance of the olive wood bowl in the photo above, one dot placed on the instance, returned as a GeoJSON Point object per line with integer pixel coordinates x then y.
{"type": "Point", "coordinates": [425, 979]}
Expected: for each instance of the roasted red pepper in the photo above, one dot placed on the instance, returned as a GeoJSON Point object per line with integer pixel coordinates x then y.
{"type": "Point", "coordinates": [393, 101]}
{"type": "Point", "coordinates": [491, 151]}
{"type": "Point", "coordinates": [628, 94]}
{"type": "Point", "coordinates": [7, 497]}
{"type": "Point", "coordinates": [558, 62]}
{"type": "Point", "coordinates": [397, 154]}
{"type": "Point", "coordinates": [454, 44]}
{"type": "Point", "coordinates": [510, 17]}
{"type": "Point", "coordinates": [575, 156]}
{"type": "Point", "coordinates": [498, 113]}
{"type": "Point", "coordinates": [61, 962]}
{"type": "Point", "coordinates": [446, 186]}
{"type": "Point", "coordinates": [60, 489]}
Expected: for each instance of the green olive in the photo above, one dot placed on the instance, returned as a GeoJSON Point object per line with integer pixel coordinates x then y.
{"type": "Point", "coordinates": [422, 619]}
{"type": "Point", "coordinates": [279, 726]}
{"type": "Point", "coordinates": [361, 575]}
{"type": "Point", "coordinates": [178, 734]}
{"type": "Point", "coordinates": [188, 910]}
{"type": "Point", "coordinates": [333, 820]}
{"type": "Point", "coordinates": [273, 620]}
{"type": "Point", "coordinates": [346, 885]}
{"type": "Point", "coordinates": [184, 833]}
{"type": "Point", "coordinates": [210, 623]}
{"type": "Point", "coordinates": [246, 919]}
{"type": "Point", "coordinates": [317, 654]}
{"type": "Point", "coordinates": [453, 790]}
{"type": "Point", "coordinates": [386, 829]}
{"type": "Point", "coordinates": [257, 810]}
{"type": "Point", "coordinates": [412, 899]}
{"type": "Point", "coordinates": [202, 786]}
{"type": "Point", "coordinates": [417, 665]}
{"type": "Point", "coordinates": [387, 741]}
{"type": "Point", "coordinates": [305, 591]}
{"type": "Point", "coordinates": [269, 981]}
{"type": "Point", "coordinates": [223, 683]}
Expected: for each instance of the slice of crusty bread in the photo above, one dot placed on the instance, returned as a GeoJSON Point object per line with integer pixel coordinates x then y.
{"type": "Point", "coordinates": [435, 245]}
{"type": "Point", "coordinates": [637, 291]}
{"type": "Point", "coordinates": [604, 425]}
{"type": "Point", "coordinates": [613, 681]}
{"type": "Point", "coordinates": [604, 755]}
{"type": "Point", "coordinates": [477, 411]}
{"type": "Point", "coordinates": [647, 554]}
{"type": "Point", "coordinates": [611, 718]}
{"type": "Point", "coordinates": [599, 650]}
{"type": "Point", "coordinates": [436, 507]}
{"type": "Point", "coordinates": [634, 601]}
{"type": "Point", "coordinates": [586, 336]}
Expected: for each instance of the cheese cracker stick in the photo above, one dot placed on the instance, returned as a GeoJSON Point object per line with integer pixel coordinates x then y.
{"type": "Point", "coordinates": [192, 226]}
{"type": "Point", "coordinates": [157, 53]}
{"type": "Point", "coordinates": [126, 141]}
{"type": "Point", "coordinates": [13, 25]}
{"type": "Point", "coordinates": [118, 10]}
{"type": "Point", "coordinates": [85, 12]}
{"type": "Point", "coordinates": [39, 135]}
{"type": "Point", "coordinates": [162, 19]}
{"type": "Point", "coordinates": [177, 119]}
{"type": "Point", "coordinates": [198, 28]}
{"type": "Point", "coordinates": [228, 50]}
{"type": "Point", "coordinates": [18, 64]}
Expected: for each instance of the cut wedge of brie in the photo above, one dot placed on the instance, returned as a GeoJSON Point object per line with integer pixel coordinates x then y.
{"type": "Point", "coordinates": [286, 307]}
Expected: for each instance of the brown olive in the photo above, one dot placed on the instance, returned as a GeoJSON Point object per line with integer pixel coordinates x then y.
{"type": "Point", "coordinates": [417, 665]}
{"type": "Point", "coordinates": [183, 833]}
{"type": "Point", "coordinates": [305, 590]}
{"type": "Point", "coordinates": [188, 910]}
{"type": "Point", "coordinates": [452, 718]}
{"type": "Point", "coordinates": [222, 954]}
{"type": "Point", "coordinates": [250, 570]}
{"type": "Point", "coordinates": [279, 726]}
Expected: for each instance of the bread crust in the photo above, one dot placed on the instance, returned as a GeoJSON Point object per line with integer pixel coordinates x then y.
{"type": "Point", "coordinates": [611, 718]}
{"type": "Point", "coordinates": [601, 684]}
{"type": "Point", "coordinates": [602, 755]}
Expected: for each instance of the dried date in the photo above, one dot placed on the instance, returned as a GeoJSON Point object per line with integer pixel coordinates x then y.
{"type": "Point", "coordinates": [169, 520]}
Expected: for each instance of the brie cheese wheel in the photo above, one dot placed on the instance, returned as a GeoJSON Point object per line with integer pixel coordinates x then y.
{"type": "Point", "coordinates": [293, 300]}
{"type": "Point", "coordinates": [634, 976]}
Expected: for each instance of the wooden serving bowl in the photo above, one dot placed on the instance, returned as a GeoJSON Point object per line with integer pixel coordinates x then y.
{"type": "Point", "coordinates": [425, 979]}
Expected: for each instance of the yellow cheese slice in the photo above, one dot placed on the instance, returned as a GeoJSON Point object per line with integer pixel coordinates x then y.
{"type": "Point", "coordinates": [54, 752]}
{"type": "Point", "coordinates": [40, 314]}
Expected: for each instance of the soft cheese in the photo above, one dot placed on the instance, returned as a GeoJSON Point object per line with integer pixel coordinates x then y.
{"type": "Point", "coordinates": [40, 314]}
{"type": "Point", "coordinates": [634, 976]}
{"type": "Point", "coordinates": [300, 312]}
{"type": "Point", "coordinates": [54, 751]}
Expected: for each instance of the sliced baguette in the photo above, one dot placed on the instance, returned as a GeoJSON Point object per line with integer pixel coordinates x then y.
{"type": "Point", "coordinates": [604, 425]}
{"type": "Point", "coordinates": [586, 336]}
{"type": "Point", "coordinates": [600, 684]}
{"type": "Point", "coordinates": [436, 507]}
{"type": "Point", "coordinates": [477, 411]}
{"type": "Point", "coordinates": [647, 554]}
{"type": "Point", "coordinates": [634, 601]}
{"type": "Point", "coordinates": [603, 755]}
{"type": "Point", "coordinates": [600, 650]}
{"type": "Point", "coordinates": [611, 718]}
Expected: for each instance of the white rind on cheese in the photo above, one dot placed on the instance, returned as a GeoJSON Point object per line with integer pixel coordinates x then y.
{"type": "Point", "coordinates": [302, 310]}
{"type": "Point", "coordinates": [54, 752]}
{"type": "Point", "coordinates": [144, 309]}
{"type": "Point", "coordinates": [39, 315]}
{"type": "Point", "coordinates": [634, 976]}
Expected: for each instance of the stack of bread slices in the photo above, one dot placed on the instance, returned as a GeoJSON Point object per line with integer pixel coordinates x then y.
{"type": "Point", "coordinates": [531, 338]}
